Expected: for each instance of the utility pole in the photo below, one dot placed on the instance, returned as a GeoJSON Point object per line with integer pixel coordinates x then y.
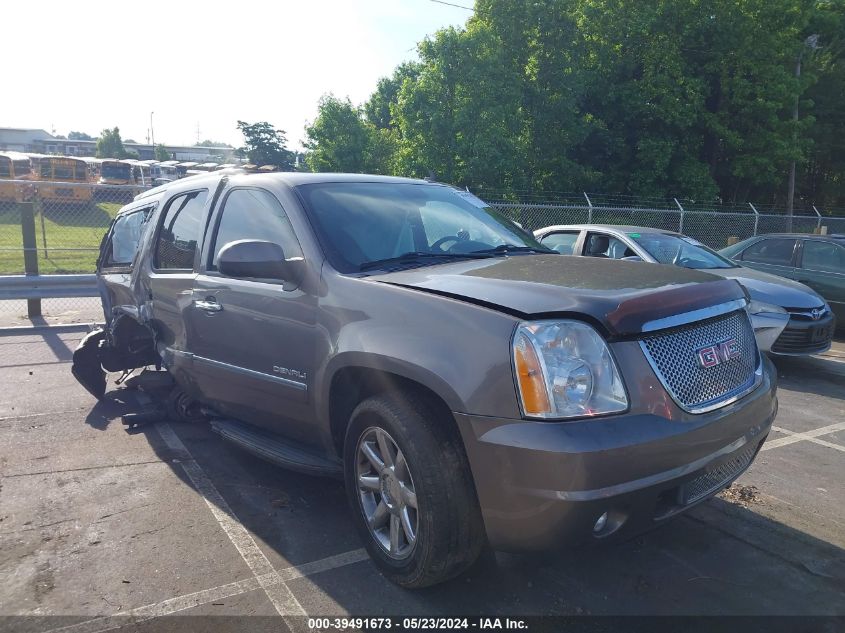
{"type": "Point", "coordinates": [152, 131]}
{"type": "Point", "coordinates": [812, 42]}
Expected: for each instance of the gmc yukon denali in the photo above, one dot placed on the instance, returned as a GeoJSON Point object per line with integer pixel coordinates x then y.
{"type": "Point", "coordinates": [470, 386]}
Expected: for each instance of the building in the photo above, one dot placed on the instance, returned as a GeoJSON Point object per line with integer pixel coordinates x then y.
{"type": "Point", "coordinates": [40, 141]}
{"type": "Point", "coordinates": [14, 139]}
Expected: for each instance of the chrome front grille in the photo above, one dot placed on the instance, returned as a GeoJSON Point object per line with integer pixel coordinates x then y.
{"type": "Point", "coordinates": [674, 356]}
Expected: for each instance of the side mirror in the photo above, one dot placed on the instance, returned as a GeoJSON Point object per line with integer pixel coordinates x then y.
{"type": "Point", "coordinates": [257, 259]}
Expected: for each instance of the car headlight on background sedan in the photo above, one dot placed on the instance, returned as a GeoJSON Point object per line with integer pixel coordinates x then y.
{"type": "Point", "coordinates": [564, 369]}
{"type": "Point", "coordinates": [759, 307]}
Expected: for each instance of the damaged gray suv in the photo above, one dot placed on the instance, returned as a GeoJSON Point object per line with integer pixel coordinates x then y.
{"type": "Point", "coordinates": [469, 385]}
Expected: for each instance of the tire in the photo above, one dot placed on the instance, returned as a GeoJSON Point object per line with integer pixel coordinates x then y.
{"type": "Point", "coordinates": [448, 529]}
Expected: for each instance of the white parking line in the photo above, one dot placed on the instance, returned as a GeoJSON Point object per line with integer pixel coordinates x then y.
{"type": "Point", "coordinates": [215, 594]}
{"type": "Point", "coordinates": [279, 594]}
{"type": "Point", "coordinates": [808, 436]}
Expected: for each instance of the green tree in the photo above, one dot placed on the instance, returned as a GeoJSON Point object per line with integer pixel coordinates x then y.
{"type": "Point", "coordinates": [341, 140]}
{"type": "Point", "coordinates": [264, 145]}
{"type": "Point", "coordinates": [161, 153]}
{"type": "Point", "coordinates": [209, 143]}
{"type": "Point", "coordinates": [688, 98]}
{"type": "Point", "coordinates": [378, 108]}
{"type": "Point", "coordinates": [110, 145]}
{"type": "Point", "coordinates": [79, 136]}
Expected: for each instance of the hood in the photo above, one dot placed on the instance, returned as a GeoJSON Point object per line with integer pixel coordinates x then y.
{"type": "Point", "coordinates": [620, 296]}
{"type": "Point", "coordinates": [768, 288]}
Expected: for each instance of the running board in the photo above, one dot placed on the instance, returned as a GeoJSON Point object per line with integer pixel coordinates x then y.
{"type": "Point", "coordinates": [275, 449]}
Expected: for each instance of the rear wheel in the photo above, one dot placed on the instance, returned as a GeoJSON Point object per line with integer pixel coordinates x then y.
{"type": "Point", "coordinates": [410, 488]}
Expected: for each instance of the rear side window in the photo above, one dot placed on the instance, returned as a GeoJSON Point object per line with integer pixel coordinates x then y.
{"type": "Point", "coordinates": [772, 251]}
{"type": "Point", "coordinates": [254, 214]}
{"type": "Point", "coordinates": [125, 237]}
{"type": "Point", "coordinates": [180, 232]}
{"type": "Point", "coordinates": [823, 256]}
{"type": "Point", "coordinates": [563, 243]}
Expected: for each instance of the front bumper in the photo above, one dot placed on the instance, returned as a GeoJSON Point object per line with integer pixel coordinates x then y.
{"type": "Point", "coordinates": [543, 485]}
{"type": "Point", "coordinates": [801, 336]}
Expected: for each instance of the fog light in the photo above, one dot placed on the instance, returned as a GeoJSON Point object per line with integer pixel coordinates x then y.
{"type": "Point", "coordinates": [600, 523]}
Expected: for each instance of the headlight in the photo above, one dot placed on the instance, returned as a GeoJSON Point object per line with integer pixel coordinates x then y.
{"type": "Point", "coordinates": [564, 369]}
{"type": "Point", "coordinates": [758, 307]}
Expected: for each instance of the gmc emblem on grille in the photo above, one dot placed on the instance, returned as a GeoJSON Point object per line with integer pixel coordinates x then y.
{"type": "Point", "coordinates": [718, 353]}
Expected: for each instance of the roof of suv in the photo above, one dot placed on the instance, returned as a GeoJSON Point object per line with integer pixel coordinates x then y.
{"type": "Point", "coordinates": [288, 178]}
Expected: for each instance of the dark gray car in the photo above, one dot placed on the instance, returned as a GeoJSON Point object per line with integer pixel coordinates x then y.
{"type": "Point", "coordinates": [469, 385]}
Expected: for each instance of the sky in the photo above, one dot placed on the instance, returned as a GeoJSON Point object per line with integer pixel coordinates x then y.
{"type": "Point", "coordinates": [205, 64]}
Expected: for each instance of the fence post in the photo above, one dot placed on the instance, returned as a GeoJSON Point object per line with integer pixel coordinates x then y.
{"type": "Point", "coordinates": [589, 209]}
{"type": "Point", "coordinates": [819, 223]}
{"type": "Point", "coordinates": [43, 228]}
{"type": "Point", "coordinates": [30, 253]}
{"type": "Point", "coordinates": [756, 217]}
{"type": "Point", "coordinates": [681, 223]}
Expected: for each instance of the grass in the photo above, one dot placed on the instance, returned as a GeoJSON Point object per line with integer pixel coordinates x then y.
{"type": "Point", "coordinates": [64, 227]}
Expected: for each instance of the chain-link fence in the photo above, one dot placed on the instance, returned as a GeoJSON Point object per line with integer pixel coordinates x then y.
{"type": "Point", "coordinates": [50, 228]}
{"type": "Point", "coordinates": [716, 226]}
{"type": "Point", "coordinates": [55, 228]}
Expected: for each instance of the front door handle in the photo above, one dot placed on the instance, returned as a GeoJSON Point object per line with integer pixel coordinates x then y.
{"type": "Point", "coordinates": [209, 305]}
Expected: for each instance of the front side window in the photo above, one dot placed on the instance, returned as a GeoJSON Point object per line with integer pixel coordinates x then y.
{"type": "Point", "coordinates": [361, 224]}
{"type": "Point", "coordinates": [776, 251]}
{"type": "Point", "coordinates": [5, 167]}
{"type": "Point", "coordinates": [823, 256]}
{"type": "Point", "coordinates": [601, 245]}
{"type": "Point", "coordinates": [180, 232]}
{"type": "Point", "coordinates": [126, 235]}
{"type": "Point", "coordinates": [254, 214]}
{"type": "Point", "coordinates": [680, 250]}
{"type": "Point", "coordinates": [563, 243]}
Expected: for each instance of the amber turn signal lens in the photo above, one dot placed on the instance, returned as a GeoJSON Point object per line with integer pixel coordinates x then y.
{"type": "Point", "coordinates": [532, 386]}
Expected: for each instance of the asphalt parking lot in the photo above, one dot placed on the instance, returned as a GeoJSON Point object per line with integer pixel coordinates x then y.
{"type": "Point", "coordinates": [96, 522]}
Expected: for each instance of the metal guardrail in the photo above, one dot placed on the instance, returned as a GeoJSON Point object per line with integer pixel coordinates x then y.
{"type": "Point", "coordinates": [47, 286]}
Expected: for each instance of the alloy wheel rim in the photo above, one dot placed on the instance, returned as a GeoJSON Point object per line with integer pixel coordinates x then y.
{"type": "Point", "coordinates": [387, 493]}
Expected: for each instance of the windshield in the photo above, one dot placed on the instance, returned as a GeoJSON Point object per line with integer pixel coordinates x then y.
{"type": "Point", "coordinates": [360, 224]}
{"type": "Point", "coordinates": [115, 170]}
{"type": "Point", "coordinates": [680, 250]}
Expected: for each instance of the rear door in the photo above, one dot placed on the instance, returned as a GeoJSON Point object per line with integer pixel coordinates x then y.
{"type": "Point", "coordinates": [774, 255]}
{"type": "Point", "coordinates": [822, 267]}
{"type": "Point", "coordinates": [176, 248]}
{"type": "Point", "coordinates": [254, 341]}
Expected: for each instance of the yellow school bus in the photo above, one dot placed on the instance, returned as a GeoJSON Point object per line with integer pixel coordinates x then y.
{"type": "Point", "coordinates": [15, 166]}
{"type": "Point", "coordinates": [63, 180]}
{"type": "Point", "coordinates": [115, 172]}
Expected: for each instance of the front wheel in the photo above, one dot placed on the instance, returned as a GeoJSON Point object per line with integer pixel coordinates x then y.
{"type": "Point", "coordinates": [411, 491]}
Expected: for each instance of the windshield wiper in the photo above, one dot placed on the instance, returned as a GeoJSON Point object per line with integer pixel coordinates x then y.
{"type": "Point", "coordinates": [413, 256]}
{"type": "Point", "coordinates": [513, 248]}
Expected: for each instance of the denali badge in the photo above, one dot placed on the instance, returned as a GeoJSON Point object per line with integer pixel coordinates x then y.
{"type": "Point", "coordinates": [713, 355]}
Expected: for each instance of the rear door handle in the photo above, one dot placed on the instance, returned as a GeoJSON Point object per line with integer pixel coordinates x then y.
{"type": "Point", "coordinates": [209, 305]}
